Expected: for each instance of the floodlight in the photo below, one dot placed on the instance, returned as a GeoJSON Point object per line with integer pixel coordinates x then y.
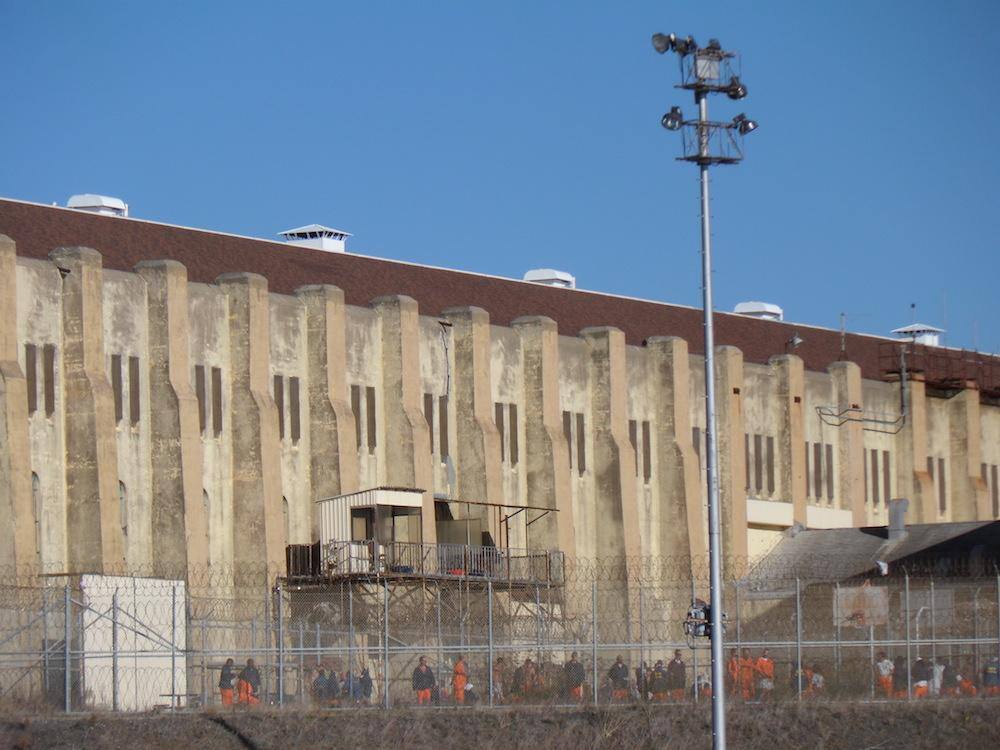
{"type": "Point", "coordinates": [736, 88]}
{"type": "Point", "coordinates": [744, 124]}
{"type": "Point", "coordinates": [663, 42]}
{"type": "Point", "coordinates": [685, 46]}
{"type": "Point", "coordinates": [673, 119]}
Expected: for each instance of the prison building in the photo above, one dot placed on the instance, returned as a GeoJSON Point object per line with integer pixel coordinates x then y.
{"type": "Point", "coordinates": [172, 398]}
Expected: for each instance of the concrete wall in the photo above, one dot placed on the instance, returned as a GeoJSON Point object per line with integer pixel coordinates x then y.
{"type": "Point", "coordinates": [610, 436]}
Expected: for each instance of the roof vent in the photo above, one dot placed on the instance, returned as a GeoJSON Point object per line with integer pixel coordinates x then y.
{"type": "Point", "coordinates": [551, 277]}
{"type": "Point", "coordinates": [317, 237]}
{"type": "Point", "coordinates": [762, 310]}
{"type": "Point", "coordinates": [98, 204]}
{"type": "Point", "coordinates": [920, 333]}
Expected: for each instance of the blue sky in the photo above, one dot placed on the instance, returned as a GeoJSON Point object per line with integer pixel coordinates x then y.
{"type": "Point", "coordinates": [496, 137]}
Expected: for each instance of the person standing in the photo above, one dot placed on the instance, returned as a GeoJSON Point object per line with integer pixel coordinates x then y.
{"type": "Point", "coordinates": [499, 678]}
{"type": "Point", "coordinates": [991, 676]}
{"type": "Point", "coordinates": [248, 684]}
{"type": "Point", "coordinates": [227, 680]}
{"type": "Point", "coordinates": [764, 667]}
{"type": "Point", "coordinates": [921, 674]}
{"type": "Point", "coordinates": [659, 682]}
{"type": "Point", "coordinates": [459, 678]}
{"type": "Point", "coordinates": [423, 682]}
{"type": "Point", "coordinates": [618, 674]}
{"type": "Point", "coordinates": [676, 677]}
{"type": "Point", "coordinates": [320, 687]}
{"type": "Point", "coordinates": [747, 672]}
{"type": "Point", "coordinates": [573, 677]}
{"type": "Point", "coordinates": [884, 669]}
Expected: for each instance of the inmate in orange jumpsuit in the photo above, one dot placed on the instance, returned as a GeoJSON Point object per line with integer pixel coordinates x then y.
{"type": "Point", "coordinates": [245, 690]}
{"type": "Point", "coordinates": [747, 671]}
{"type": "Point", "coordinates": [733, 669]}
{"type": "Point", "coordinates": [459, 678]}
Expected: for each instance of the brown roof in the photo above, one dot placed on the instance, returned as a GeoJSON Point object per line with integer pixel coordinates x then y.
{"type": "Point", "coordinates": [38, 229]}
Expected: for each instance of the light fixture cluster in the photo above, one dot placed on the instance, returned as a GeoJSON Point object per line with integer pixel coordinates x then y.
{"type": "Point", "coordinates": [705, 70]}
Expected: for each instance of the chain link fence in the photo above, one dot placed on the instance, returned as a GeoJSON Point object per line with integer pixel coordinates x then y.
{"type": "Point", "coordinates": [593, 634]}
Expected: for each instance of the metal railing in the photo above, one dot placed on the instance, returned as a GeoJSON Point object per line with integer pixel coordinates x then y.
{"type": "Point", "coordinates": [447, 560]}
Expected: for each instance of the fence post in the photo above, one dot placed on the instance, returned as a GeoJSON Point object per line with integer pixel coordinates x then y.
{"type": "Point", "coordinates": [440, 639]}
{"type": "Point", "coordinates": [871, 660]}
{"type": "Point", "coordinates": [489, 628]}
{"type": "Point", "coordinates": [593, 628]}
{"type": "Point", "coordinates": [739, 633]}
{"type": "Point", "coordinates": [798, 639]}
{"type": "Point", "coordinates": [173, 647]}
{"type": "Point", "coordinates": [694, 649]}
{"type": "Point", "coordinates": [204, 667]}
{"type": "Point", "coordinates": [67, 633]}
{"type": "Point", "coordinates": [998, 610]}
{"type": "Point", "coordinates": [350, 632]}
{"type": "Point", "coordinates": [302, 662]}
{"type": "Point", "coordinates": [906, 605]}
{"type": "Point", "coordinates": [933, 627]}
{"type": "Point", "coordinates": [319, 642]}
{"type": "Point", "coordinates": [975, 630]}
{"type": "Point", "coordinates": [114, 651]}
{"type": "Point", "coordinates": [538, 625]}
{"type": "Point", "coordinates": [839, 619]}
{"type": "Point", "coordinates": [281, 645]}
{"type": "Point", "coordinates": [642, 633]}
{"type": "Point", "coordinates": [385, 635]}
{"type": "Point", "coordinates": [45, 644]}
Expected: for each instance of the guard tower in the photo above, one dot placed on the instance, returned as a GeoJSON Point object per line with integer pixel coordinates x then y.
{"type": "Point", "coordinates": [371, 593]}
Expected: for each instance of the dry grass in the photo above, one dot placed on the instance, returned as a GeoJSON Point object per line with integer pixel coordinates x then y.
{"type": "Point", "coordinates": [825, 726]}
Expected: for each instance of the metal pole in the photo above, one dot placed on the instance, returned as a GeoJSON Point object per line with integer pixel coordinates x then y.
{"type": "Point", "coordinates": [204, 667]}
{"type": "Point", "coordinates": [281, 646]}
{"type": "Point", "coordinates": [798, 639]}
{"type": "Point", "coordinates": [45, 643]}
{"type": "Point", "coordinates": [538, 625]}
{"type": "Point", "coordinates": [998, 614]}
{"type": "Point", "coordinates": [839, 618]}
{"type": "Point", "coordinates": [302, 661]}
{"type": "Point", "coordinates": [67, 633]}
{"type": "Point", "coordinates": [714, 534]}
{"type": "Point", "coordinates": [173, 646]}
{"type": "Point", "coordinates": [114, 651]}
{"type": "Point", "coordinates": [593, 628]}
{"type": "Point", "coordinates": [694, 650]}
{"type": "Point", "coordinates": [906, 609]}
{"type": "Point", "coordinates": [489, 628]}
{"type": "Point", "coordinates": [642, 639]}
{"type": "Point", "coordinates": [975, 630]}
{"type": "Point", "coordinates": [933, 627]}
{"type": "Point", "coordinates": [440, 640]}
{"type": "Point", "coordinates": [385, 635]}
{"type": "Point", "coordinates": [319, 641]}
{"type": "Point", "coordinates": [350, 633]}
{"type": "Point", "coordinates": [739, 633]}
{"type": "Point", "coordinates": [871, 661]}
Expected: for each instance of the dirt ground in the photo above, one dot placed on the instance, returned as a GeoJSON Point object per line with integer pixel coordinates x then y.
{"type": "Point", "coordinates": [938, 725]}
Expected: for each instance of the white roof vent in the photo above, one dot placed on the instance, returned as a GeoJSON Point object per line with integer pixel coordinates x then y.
{"type": "Point", "coordinates": [551, 277]}
{"type": "Point", "coordinates": [762, 310]}
{"type": "Point", "coordinates": [98, 204]}
{"type": "Point", "coordinates": [317, 237]}
{"type": "Point", "coordinates": [920, 333]}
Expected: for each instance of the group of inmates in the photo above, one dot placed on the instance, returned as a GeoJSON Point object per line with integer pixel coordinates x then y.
{"type": "Point", "coordinates": [749, 677]}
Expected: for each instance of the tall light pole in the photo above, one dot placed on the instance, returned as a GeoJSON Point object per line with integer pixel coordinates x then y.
{"type": "Point", "coordinates": [709, 70]}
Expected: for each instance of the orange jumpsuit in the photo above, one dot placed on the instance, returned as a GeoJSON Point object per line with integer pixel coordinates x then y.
{"type": "Point", "coordinates": [765, 668]}
{"type": "Point", "coordinates": [245, 690]}
{"type": "Point", "coordinates": [459, 678]}
{"type": "Point", "coordinates": [746, 672]}
{"type": "Point", "coordinates": [734, 672]}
